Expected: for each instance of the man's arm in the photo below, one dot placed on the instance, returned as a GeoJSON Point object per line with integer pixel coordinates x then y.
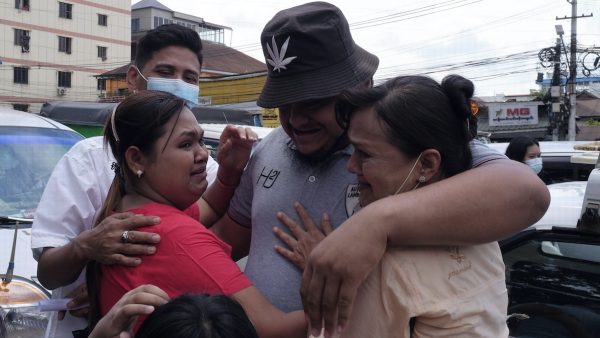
{"type": "Point", "coordinates": [481, 205]}
{"type": "Point", "coordinates": [62, 238]}
{"type": "Point", "coordinates": [101, 243]}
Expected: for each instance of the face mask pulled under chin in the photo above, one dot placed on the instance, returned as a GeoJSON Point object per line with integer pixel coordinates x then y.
{"type": "Point", "coordinates": [177, 87]}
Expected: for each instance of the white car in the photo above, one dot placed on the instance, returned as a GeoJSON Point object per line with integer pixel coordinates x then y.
{"type": "Point", "coordinates": [564, 161]}
{"type": "Point", "coordinates": [30, 147]}
{"type": "Point", "coordinates": [566, 200]}
{"type": "Point", "coordinates": [212, 133]}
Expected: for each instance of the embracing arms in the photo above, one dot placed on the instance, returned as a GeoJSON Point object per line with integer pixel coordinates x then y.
{"type": "Point", "coordinates": [481, 205]}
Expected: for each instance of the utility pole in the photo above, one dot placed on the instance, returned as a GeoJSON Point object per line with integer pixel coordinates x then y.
{"type": "Point", "coordinates": [573, 67]}
{"type": "Point", "coordinates": [555, 91]}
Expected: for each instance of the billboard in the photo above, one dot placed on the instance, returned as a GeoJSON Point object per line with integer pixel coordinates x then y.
{"type": "Point", "coordinates": [513, 113]}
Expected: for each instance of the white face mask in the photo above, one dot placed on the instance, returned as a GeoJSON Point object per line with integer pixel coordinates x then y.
{"type": "Point", "coordinates": [177, 87]}
{"type": "Point", "coordinates": [535, 164]}
{"type": "Point", "coordinates": [407, 176]}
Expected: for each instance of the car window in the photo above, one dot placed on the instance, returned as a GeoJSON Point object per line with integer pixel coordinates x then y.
{"type": "Point", "coordinates": [212, 145]}
{"type": "Point", "coordinates": [577, 251]}
{"type": "Point", "coordinates": [27, 158]}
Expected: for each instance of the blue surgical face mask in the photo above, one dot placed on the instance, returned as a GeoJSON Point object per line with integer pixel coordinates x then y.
{"type": "Point", "coordinates": [177, 87]}
{"type": "Point", "coordinates": [535, 164]}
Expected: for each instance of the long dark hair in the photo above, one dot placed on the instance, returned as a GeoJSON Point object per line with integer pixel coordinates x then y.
{"type": "Point", "coordinates": [198, 316]}
{"type": "Point", "coordinates": [418, 114]}
{"type": "Point", "coordinates": [517, 148]}
{"type": "Point", "coordinates": [138, 121]}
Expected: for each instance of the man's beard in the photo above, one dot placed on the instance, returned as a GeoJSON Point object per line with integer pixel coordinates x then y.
{"type": "Point", "coordinates": [319, 157]}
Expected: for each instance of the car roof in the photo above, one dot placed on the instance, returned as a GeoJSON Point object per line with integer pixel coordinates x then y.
{"type": "Point", "coordinates": [96, 113]}
{"type": "Point", "coordinates": [555, 148]}
{"type": "Point", "coordinates": [16, 118]}
{"type": "Point", "coordinates": [214, 130]}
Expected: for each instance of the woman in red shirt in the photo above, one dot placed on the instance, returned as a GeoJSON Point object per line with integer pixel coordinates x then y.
{"type": "Point", "coordinates": [161, 170]}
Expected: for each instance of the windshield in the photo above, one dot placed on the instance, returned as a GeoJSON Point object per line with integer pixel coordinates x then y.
{"type": "Point", "coordinates": [27, 158]}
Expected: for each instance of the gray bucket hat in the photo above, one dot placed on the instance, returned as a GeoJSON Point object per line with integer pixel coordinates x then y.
{"type": "Point", "coordinates": [310, 54]}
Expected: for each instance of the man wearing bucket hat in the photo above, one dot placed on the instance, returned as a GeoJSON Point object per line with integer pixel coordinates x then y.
{"type": "Point", "coordinates": [312, 58]}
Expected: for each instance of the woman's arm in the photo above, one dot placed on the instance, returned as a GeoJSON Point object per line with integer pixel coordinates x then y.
{"type": "Point", "coordinates": [480, 205]}
{"type": "Point", "coordinates": [235, 145]}
{"type": "Point", "coordinates": [269, 321]}
{"type": "Point", "coordinates": [137, 302]}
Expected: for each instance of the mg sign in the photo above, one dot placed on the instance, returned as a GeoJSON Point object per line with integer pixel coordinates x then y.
{"type": "Point", "coordinates": [513, 113]}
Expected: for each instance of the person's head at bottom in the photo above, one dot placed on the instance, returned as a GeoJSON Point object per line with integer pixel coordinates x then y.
{"type": "Point", "coordinates": [198, 316]}
{"type": "Point", "coordinates": [311, 58]}
{"type": "Point", "coordinates": [409, 132]}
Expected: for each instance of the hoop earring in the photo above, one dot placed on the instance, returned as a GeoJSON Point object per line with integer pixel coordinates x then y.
{"type": "Point", "coordinates": [139, 173]}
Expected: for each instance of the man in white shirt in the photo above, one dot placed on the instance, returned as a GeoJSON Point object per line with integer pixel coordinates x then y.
{"type": "Point", "coordinates": [64, 240]}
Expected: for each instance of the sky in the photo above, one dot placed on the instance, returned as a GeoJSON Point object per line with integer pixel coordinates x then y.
{"type": "Point", "coordinates": [494, 43]}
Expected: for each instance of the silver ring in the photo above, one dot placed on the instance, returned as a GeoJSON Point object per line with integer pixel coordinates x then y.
{"type": "Point", "coordinates": [125, 236]}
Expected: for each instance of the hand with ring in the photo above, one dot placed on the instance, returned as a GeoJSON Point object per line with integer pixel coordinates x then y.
{"type": "Point", "coordinates": [115, 240]}
{"type": "Point", "coordinates": [125, 236]}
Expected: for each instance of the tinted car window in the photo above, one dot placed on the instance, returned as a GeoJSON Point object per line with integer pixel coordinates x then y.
{"type": "Point", "coordinates": [27, 158]}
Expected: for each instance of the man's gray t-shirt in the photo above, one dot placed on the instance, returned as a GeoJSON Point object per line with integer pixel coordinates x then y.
{"type": "Point", "coordinates": [274, 179]}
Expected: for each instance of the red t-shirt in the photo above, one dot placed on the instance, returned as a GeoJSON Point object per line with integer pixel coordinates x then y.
{"type": "Point", "coordinates": [189, 258]}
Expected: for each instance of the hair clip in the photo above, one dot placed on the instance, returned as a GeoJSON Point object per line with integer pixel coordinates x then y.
{"type": "Point", "coordinates": [112, 124]}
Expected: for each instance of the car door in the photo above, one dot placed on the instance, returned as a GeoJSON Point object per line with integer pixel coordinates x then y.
{"type": "Point", "coordinates": [553, 281]}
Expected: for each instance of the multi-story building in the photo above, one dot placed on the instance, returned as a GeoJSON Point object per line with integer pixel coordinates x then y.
{"type": "Point", "coordinates": [228, 76]}
{"type": "Point", "coordinates": [149, 14]}
{"type": "Point", "coordinates": [51, 50]}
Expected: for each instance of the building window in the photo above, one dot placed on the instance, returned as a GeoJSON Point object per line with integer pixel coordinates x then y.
{"type": "Point", "coordinates": [102, 20]}
{"type": "Point", "coordinates": [102, 52]}
{"type": "Point", "coordinates": [21, 107]}
{"type": "Point", "coordinates": [21, 75]}
{"type": "Point", "coordinates": [22, 39]}
{"type": "Point", "coordinates": [64, 44]}
{"type": "Point", "coordinates": [101, 84]}
{"type": "Point", "coordinates": [64, 79]}
{"type": "Point", "coordinates": [159, 21]}
{"type": "Point", "coordinates": [135, 25]}
{"type": "Point", "coordinates": [65, 10]}
{"type": "Point", "coordinates": [22, 5]}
